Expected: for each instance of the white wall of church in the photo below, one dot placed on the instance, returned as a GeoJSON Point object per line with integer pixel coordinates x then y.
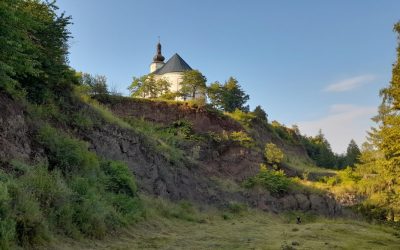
{"type": "Point", "coordinates": [175, 78]}
{"type": "Point", "coordinates": [155, 65]}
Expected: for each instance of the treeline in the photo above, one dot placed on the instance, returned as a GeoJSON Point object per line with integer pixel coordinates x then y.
{"type": "Point", "coordinates": [319, 150]}
{"type": "Point", "coordinates": [226, 96]}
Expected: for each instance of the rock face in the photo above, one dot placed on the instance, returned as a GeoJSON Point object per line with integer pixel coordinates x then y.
{"type": "Point", "coordinates": [155, 174]}
{"type": "Point", "coordinates": [15, 133]}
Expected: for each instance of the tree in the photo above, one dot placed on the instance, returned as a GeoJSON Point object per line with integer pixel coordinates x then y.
{"type": "Point", "coordinates": [148, 87]}
{"type": "Point", "coordinates": [214, 93]}
{"type": "Point", "coordinates": [352, 154]}
{"type": "Point", "coordinates": [193, 84]}
{"type": "Point", "coordinates": [228, 96]}
{"type": "Point", "coordinates": [260, 114]}
{"type": "Point", "coordinates": [34, 49]}
{"type": "Point", "coordinates": [97, 85]}
{"type": "Point", "coordinates": [380, 161]}
{"type": "Point", "coordinates": [319, 149]}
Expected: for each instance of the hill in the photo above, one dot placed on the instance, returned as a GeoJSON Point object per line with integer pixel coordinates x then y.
{"type": "Point", "coordinates": [174, 158]}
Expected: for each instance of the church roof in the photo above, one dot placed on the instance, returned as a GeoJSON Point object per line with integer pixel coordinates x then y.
{"type": "Point", "coordinates": [174, 64]}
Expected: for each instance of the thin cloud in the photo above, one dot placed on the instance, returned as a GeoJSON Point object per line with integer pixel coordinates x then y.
{"type": "Point", "coordinates": [343, 123]}
{"type": "Point", "coordinates": [350, 83]}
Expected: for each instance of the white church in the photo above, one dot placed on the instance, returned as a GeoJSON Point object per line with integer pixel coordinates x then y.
{"type": "Point", "coordinates": [172, 70]}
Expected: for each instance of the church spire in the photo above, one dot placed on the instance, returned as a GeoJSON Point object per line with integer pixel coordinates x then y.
{"type": "Point", "coordinates": [158, 57]}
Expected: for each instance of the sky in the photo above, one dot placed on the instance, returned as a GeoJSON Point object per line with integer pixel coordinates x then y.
{"type": "Point", "coordinates": [316, 64]}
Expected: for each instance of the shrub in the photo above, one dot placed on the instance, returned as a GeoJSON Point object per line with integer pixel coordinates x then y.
{"type": "Point", "coordinates": [182, 128]}
{"type": "Point", "coordinates": [273, 154]}
{"type": "Point", "coordinates": [30, 224]}
{"type": "Point", "coordinates": [274, 181]}
{"type": "Point", "coordinates": [118, 178]}
{"type": "Point", "coordinates": [242, 138]}
{"type": "Point", "coordinates": [72, 196]}
{"type": "Point", "coordinates": [244, 118]}
{"type": "Point", "coordinates": [65, 153]}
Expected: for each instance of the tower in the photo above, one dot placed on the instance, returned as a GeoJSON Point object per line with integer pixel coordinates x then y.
{"type": "Point", "coordinates": [158, 59]}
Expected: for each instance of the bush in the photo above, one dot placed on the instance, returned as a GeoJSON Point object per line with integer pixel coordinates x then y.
{"type": "Point", "coordinates": [242, 138]}
{"type": "Point", "coordinates": [72, 196]}
{"type": "Point", "coordinates": [67, 154]}
{"type": "Point", "coordinates": [118, 178]}
{"type": "Point", "coordinates": [274, 181]}
{"type": "Point", "coordinates": [181, 128]}
{"type": "Point", "coordinates": [30, 224]}
{"type": "Point", "coordinates": [273, 154]}
{"type": "Point", "coordinates": [244, 118]}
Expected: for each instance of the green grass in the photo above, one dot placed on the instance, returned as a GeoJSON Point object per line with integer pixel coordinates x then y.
{"type": "Point", "coordinates": [305, 166]}
{"type": "Point", "coordinates": [249, 229]}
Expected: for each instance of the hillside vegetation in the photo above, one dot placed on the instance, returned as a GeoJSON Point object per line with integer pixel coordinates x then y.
{"type": "Point", "coordinates": [80, 166]}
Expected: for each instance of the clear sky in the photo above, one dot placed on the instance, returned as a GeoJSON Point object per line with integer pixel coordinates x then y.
{"type": "Point", "coordinates": [317, 64]}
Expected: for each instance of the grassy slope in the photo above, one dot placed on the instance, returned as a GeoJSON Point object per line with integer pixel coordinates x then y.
{"type": "Point", "coordinates": [247, 230]}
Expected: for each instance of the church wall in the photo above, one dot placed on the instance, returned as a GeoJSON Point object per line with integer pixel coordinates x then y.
{"type": "Point", "coordinates": [155, 65]}
{"type": "Point", "coordinates": [175, 78]}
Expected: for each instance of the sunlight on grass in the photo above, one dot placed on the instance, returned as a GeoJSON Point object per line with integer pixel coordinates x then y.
{"type": "Point", "coordinates": [171, 226]}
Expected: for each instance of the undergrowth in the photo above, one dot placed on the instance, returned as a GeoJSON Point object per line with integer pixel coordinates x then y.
{"type": "Point", "coordinates": [274, 181]}
{"type": "Point", "coordinates": [75, 194]}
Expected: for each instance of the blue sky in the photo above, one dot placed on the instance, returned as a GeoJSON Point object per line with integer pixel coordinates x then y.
{"type": "Point", "coordinates": [318, 64]}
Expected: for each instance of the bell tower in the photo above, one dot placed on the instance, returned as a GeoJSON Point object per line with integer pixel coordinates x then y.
{"type": "Point", "coordinates": [158, 59]}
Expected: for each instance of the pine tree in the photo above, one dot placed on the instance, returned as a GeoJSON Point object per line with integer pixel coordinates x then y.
{"type": "Point", "coordinates": [380, 161]}
{"type": "Point", "coordinates": [352, 154]}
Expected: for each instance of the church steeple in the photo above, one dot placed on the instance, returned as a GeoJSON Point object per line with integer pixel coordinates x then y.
{"type": "Point", "coordinates": [158, 57]}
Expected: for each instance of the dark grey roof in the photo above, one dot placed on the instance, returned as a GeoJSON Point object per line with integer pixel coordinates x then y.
{"type": "Point", "coordinates": [174, 64]}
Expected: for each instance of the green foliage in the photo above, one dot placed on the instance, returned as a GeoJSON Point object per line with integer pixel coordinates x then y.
{"type": "Point", "coordinates": [242, 138]}
{"type": "Point", "coordinates": [273, 180]}
{"type": "Point", "coordinates": [95, 85]}
{"type": "Point", "coordinates": [45, 200]}
{"type": "Point", "coordinates": [236, 208]}
{"type": "Point", "coordinates": [352, 154]}
{"type": "Point", "coordinates": [193, 84]}
{"type": "Point", "coordinates": [148, 87]}
{"type": "Point", "coordinates": [287, 134]}
{"type": "Point", "coordinates": [319, 149]}
{"type": "Point", "coordinates": [165, 139]}
{"type": "Point", "coordinates": [260, 114]}
{"type": "Point", "coordinates": [228, 96]}
{"type": "Point", "coordinates": [67, 154]}
{"type": "Point", "coordinates": [181, 128]}
{"type": "Point", "coordinates": [344, 177]}
{"type": "Point", "coordinates": [245, 118]}
{"type": "Point", "coordinates": [273, 154]}
{"type": "Point", "coordinates": [33, 53]}
{"type": "Point", "coordinates": [119, 179]}
{"type": "Point", "coordinates": [380, 159]}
